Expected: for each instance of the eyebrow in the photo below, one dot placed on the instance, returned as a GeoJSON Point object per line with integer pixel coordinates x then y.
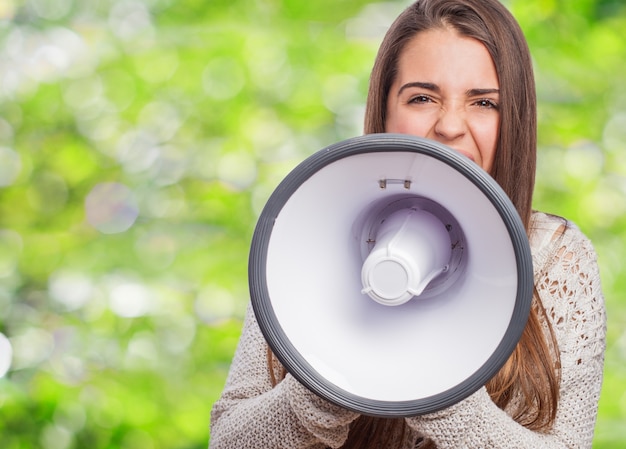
{"type": "Point", "coordinates": [435, 88]}
{"type": "Point", "coordinates": [422, 85]}
{"type": "Point", "coordinates": [480, 92]}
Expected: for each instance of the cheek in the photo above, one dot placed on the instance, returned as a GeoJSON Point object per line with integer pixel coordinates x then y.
{"type": "Point", "coordinates": [405, 124]}
{"type": "Point", "coordinates": [487, 143]}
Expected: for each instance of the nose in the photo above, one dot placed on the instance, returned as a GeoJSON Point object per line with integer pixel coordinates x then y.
{"type": "Point", "coordinates": [450, 125]}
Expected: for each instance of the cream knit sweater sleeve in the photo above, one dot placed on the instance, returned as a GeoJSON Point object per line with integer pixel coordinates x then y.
{"type": "Point", "coordinates": [568, 282]}
{"type": "Point", "coordinates": [252, 415]}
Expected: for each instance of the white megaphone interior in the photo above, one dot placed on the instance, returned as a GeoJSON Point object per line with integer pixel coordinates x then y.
{"type": "Point", "coordinates": [411, 351]}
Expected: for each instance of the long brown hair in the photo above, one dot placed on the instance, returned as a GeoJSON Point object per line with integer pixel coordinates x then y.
{"type": "Point", "coordinates": [528, 384]}
{"type": "Point", "coordinates": [532, 371]}
{"type": "Point", "coordinates": [489, 22]}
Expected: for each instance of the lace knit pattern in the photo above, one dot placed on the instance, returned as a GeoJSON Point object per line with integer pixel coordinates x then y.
{"type": "Point", "coordinates": [252, 414]}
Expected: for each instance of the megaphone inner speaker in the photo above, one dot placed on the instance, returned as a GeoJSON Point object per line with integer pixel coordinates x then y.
{"type": "Point", "coordinates": [435, 343]}
{"type": "Point", "coordinates": [367, 229]}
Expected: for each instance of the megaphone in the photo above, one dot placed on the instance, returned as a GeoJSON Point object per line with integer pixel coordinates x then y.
{"type": "Point", "coordinates": [390, 275]}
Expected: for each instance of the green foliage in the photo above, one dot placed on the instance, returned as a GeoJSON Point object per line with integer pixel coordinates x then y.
{"type": "Point", "coordinates": [139, 142]}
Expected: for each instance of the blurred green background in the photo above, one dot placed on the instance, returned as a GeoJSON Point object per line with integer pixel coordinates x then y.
{"type": "Point", "coordinates": [139, 140]}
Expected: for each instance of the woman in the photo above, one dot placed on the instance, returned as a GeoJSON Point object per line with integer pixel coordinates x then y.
{"type": "Point", "coordinates": [459, 72]}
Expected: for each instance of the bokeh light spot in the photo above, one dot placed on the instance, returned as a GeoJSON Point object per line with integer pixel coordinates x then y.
{"type": "Point", "coordinates": [267, 62]}
{"type": "Point", "coordinates": [178, 335]}
{"type": "Point", "coordinates": [82, 92]}
{"type": "Point", "coordinates": [10, 166]}
{"type": "Point", "coordinates": [237, 168]}
{"type": "Point", "coordinates": [340, 92]}
{"type": "Point", "coordinates": [31, 348]}
{"type": "Point", "coordinates": [111, 208]}
{"type": "Point", "coordinates": [170, 167]}
{"type": "Point", "coordinates": [10, 250]}
{"type": "Point", "coordinates": [7, 9]}
{"type": "Point", "coordinates": [373, 21]}
{"type": "Point", "coordinates": [614, 140]}
{"type": "Point", "coordinates": [56, 437]}
{"type": "Point", "coordinates": [160, 119]}
{"type": "Point", "coordinates": [51, 9]}
{"type": "Point", "coordinates": [142, 352]}
{"type": "Point", "coordinates": [223, 78]}
{"type": "Point", "coordinates": [137, 151]}
{"type": "Point", "coordinates": [6, 131]}
{"type": "Point", "coordinates": [56, 52]}
{"type": "Point", "coordinates": [157, 67]}
{"type": "Point", "coordinates": [156, 249]}
{"type": "Point", "coordinates": [604, 204]}
{"type": "Point", "coordinates": [214, 304]}
{"type": "Point", "coordinates": [584, 161]}
{"type": "Point", "coordinates": [129, 19]}
{"type": "Point", "coordinates": [48, 60]}
{"type": "Point", "coordinates": [168, 202]}
{"type": "Point", "coordinates": [130, 300]}
{"type": "Point", "coordinates": [71, 290]}
{"type": "Point", "coordinates": [6, 355]}
{"type": "Point", "coordinates": [70, 415]}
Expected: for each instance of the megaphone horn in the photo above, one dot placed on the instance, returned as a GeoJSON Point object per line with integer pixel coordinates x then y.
{"type": "Point", "coordinates": [390, 275]}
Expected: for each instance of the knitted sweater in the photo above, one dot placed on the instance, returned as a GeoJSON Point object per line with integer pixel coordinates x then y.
{"type": "Point", "coordinates": [253, 414]}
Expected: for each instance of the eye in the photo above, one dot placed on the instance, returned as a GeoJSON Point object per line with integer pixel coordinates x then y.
{"type": "Point", "coordinates": [486, 103]}
{"type": "Point", "coordinates": [418, 99]}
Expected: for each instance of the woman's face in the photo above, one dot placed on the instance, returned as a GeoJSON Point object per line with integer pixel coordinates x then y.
{"type": "Point", "coordinates": [446, 89]}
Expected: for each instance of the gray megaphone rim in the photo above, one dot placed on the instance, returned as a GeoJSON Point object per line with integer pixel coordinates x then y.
{"type": "Point", "coordinates": [279, 342]}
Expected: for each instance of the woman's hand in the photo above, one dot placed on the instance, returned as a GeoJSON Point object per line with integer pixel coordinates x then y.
{"type": "Point", "coordinates": [327, 421]}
